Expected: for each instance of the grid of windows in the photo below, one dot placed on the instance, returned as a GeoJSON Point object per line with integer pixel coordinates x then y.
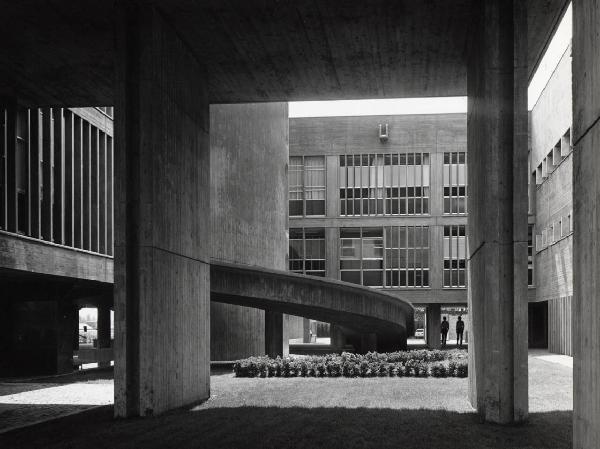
{"type": "Point", "coordinates": [455, 256]}
{"type": "Point", "coordinates": [306, 180]}
{"type": "Point", "coordinates": [455, 183]}
{"type": "Point", "coordinates": [396, 256]}
{"type": "Point", "coordinates": [530, 255]}
{"type": "Point", "coordinates": [307, 251]}
{"type": "Point", "coordinates": [56, 178]}
{"type": "Point", "coordinates": [361, 256]}
{"type": "Point", "coordinates": [407, 256]}
{"type": "Point", "coordinates": [384, 184]}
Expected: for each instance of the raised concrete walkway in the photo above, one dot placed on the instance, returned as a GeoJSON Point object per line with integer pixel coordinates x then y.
{"type": "Point", "coordinates": [361, 309]}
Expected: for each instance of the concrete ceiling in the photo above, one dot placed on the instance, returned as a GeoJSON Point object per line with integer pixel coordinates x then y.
{"type": "Point", "coordinates": [62, 52]}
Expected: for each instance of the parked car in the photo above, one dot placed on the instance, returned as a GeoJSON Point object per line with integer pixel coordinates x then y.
{"type": "Point", "coordinates": [420, 333]}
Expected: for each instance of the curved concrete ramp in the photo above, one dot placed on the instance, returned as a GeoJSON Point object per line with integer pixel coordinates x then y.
{"type": "Point", "coordinates": [361, 309]}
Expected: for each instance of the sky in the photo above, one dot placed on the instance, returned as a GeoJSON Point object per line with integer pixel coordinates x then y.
{"type": "Point", "coordinates": [438, 105]}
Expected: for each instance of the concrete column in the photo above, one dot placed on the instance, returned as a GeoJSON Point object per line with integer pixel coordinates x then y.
{"type": "Point", "coordinates": [338, 339]}
{"type": "Point", "coordinates": [497, 163]}
{"type": "Point", "coordinates": [67, 319]}
{"type": "Point", "coordinates": [247, 138]}
{"type": "Point", "coordinates": [586, 225]}
{"type": "Point", "coordinates": [368, 342]}
{"type": "Point", "coordinates": [332, 248]}
{"type": "Point", "coordinates": [104, 342]}
{"type": "Point", "coordinates": [162, 213]}
{"type": "Point", "coordinates": [276, 336]}
{"type": "Point", "coordinates": [305, 330]}
{"type": "Point", "coordinates": [433, 320]}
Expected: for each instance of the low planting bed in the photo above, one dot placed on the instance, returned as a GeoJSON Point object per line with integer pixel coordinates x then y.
{"type": "Point", "coordinates": [421, 363]}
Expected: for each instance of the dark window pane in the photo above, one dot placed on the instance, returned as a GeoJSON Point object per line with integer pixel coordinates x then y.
{"type": "Point", "coordinates": [349, 264]}
{"type": "Point", "coordinates": [296, 207]}
{"type": "Point", "coordinates": [315, 207]}
{"type": "Point", "coordinates": [372, 264]}
{"type": "Point", "coordinates": [350, 276]}
{"type": "Point", "coordinates": [373, 278]}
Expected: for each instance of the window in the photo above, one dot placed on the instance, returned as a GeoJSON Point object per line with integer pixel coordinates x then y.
{"type": "Point", "coordinates": [22, 170]}
{"type": "Point", "coordinates": [455, 183]}
{"type": "Point", "coordinates": [399, 252]}
{"type": "Point", "coordinates": [455, 256]}
{"type": "Point", "coordinates": [361, 256]}
{"type": "Point", "coordinates": [530, 256]}
{"type": "Point", "coordinates": [307, 251]}
{"type": "Point", "coordinates": [407, 256]}
{"type": "Point", "coordinates": [384, 184]}
{"type": "Point", "coordinates": [306, 180]}
{"type": "Point", "coordinates": [108, 111]}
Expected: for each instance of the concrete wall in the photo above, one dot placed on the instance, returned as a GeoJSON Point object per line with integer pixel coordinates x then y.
{"type": "Point", "coordinates": [560, 329]}
{"type": "Point", "coordinates": [341, 135]}
{"type": "Point", "coordinates": [249, 156]}
{"type": "Point", "coordinates": [552, 114]}
{"type": "Point", "coordinates": [550, 120]}
{"type": "Point", "coordinates": [553, 263]}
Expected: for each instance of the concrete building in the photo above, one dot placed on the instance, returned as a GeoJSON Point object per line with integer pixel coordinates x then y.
{"type": "Point", "coordinates": [163, 63]}
{"type": "Point", "coordinates": [551, 208]}
{"type": "Point", "coordinates": [381, 201]}
{"type": "Point", "coordinates": [56, 234]}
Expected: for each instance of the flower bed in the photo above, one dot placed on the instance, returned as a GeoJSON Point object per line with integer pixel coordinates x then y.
{"type": "Point", "coordinates": [422, 363]}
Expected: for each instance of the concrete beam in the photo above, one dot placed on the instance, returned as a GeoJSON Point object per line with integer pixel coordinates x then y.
{"type": "Point", "coordinates": [497, 141]}
{"type": "Point", "coordinates": [35, 256]}
{"type": "Point", "coordinates": [162, 241]}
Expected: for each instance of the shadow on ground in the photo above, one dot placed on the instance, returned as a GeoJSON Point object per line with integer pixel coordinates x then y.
{"type": "Point", "coordinates": [271, 427]}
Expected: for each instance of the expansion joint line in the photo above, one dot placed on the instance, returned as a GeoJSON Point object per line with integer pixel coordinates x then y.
{"type": "Point", "coordinates": [497, 242]}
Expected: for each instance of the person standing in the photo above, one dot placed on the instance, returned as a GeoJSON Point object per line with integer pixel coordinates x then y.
{"type": "Point", "coordinates": [460, 328]}
{"type": "Point", "coordinates": [445, 328]}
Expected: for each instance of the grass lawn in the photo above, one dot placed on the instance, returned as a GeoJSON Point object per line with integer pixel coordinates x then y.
{"type": "Point", "coordinates": [317, 413]}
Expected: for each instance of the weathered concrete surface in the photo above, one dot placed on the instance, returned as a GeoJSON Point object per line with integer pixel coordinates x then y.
{"type": "Point", "coordinates": [37, 257]}
{"type": "Point", "coordinates": [277, 342]}
{"type": "Point", "coordinates": [497, 139]}
{"type": "Point", "coordinates": [279, 51]}
{"type": "Point", "coordinates": [162, 247]}
{"type": "Point", "coordinates": [586, 224]}
{"type": "Point", "coordinates": [433, 315]}
{"type": "Point", "coordinates": [248, 211]}
{"type": "Point", "coordinates": [361, 309]}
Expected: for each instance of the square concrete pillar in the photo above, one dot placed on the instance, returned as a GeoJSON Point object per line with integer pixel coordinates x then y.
{"type": "Point", "coordinates": [338, 338]}
{"type": "Point", "coordinates": [368, 342]}
{"type": "Point", "coordinates": [104, 341]}
{"type": "Point", "coordinates": [433, 329]}
{"type": "Point", "coordinates": [276, 334]}
{"type": "Point", "coordinates": [497, 232]}
{"type": "Point", "coordinates": [586, 225]}
{"type": "Point", "coordinates": [305, 330]}
{"type": "Point", "coordinates": [162, 196]}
